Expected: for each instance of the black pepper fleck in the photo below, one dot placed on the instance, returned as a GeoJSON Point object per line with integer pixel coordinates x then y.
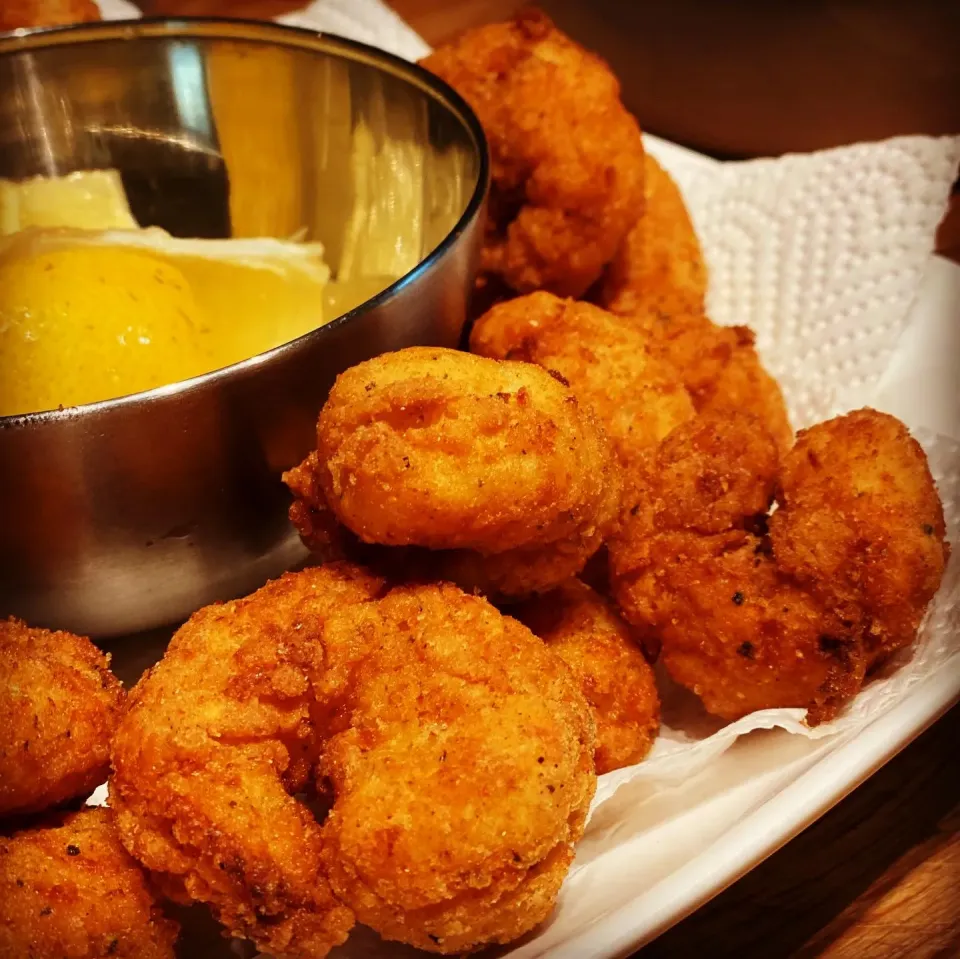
{"type": "Point", "coordinates": [738, 598]}
{"type": "Point", "coordinates": [830, 644]}
{"type": "Point", "coordinates": [928, 529]}
{"type": "Point", "coordinates": [746, 650]}
{"type": "Point", "coordinates": [73, 850]}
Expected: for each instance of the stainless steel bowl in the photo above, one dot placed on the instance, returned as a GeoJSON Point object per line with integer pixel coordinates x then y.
{"type": "Point", "coordinates": [129, 514]}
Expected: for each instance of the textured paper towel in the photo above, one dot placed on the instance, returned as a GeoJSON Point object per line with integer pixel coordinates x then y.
{"type": "Point", "coordinates": [822, 254]}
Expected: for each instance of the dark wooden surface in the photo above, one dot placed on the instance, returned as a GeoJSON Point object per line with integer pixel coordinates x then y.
{"type": "Point", "coordinates": [879, 876]}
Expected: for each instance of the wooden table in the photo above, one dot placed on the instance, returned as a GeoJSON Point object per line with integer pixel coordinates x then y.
{"type": "Point", "coordinates": [879, 876]}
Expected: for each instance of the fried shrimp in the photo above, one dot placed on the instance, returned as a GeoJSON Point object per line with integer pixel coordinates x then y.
{"type": "Point", "coordinates": [410, 708]}
{"type": "Point", "coordinates": [567, 157]}
{"type": "Point", "coordinates": [512, 574]}
{"type": "Point", "coordinates": [15, 14]}
{"type": "Point", "coordinates": [720, 368]}
{"type": "Point", "coordinates": [604, 654]}
{"type": "Point", "coordinates": [462, 769]}
{"type": "Point", "coordinates": [61, 705]}
{"type": "Point", "coordinates": [861, 524]}
{"type": "Point", "coordinates": [659, 267]}
{"type": "Point", "coordinates": [494, 465]}
{"type": "Point", "coordinates": [750, 620]}
{"type": "Point", "coordinates": [68, 890]}
{"type": "Point", "coordinates": [217, 739]}
{"type": "Point", "coordinates": [637, 397]}
{"type": "Point", "coordinates": [659, 279]}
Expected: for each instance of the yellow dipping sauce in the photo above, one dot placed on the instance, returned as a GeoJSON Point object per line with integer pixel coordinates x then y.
{"type": "Point", "coordinates": [92, 316]}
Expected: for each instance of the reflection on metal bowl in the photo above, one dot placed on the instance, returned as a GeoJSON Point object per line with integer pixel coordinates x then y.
{"type": "Point", "coordinates": [128, 514]}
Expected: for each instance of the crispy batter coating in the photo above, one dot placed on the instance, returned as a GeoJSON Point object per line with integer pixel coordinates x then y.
{"type": "Point", "coordinates": [744, 637]}
{"type": "Point", "coordinates": [709, 477]}
{"type": "Point", "coordinates": [860, 523]}
{"type": "Point", "coordinates": [462, 767]}
{"type": "Point", "coordinates": [217, 738]}
{"type": "Point", "coordinates": [720, 368]}
{"type": "Point", "coordinates": [438, 448]}
{"type": "Point", "coordinates": [637, 397]}
{"type": "Point", "coordinates": [659, 278]}
{"type": "Point", "coordinates": [794, 618]}
{"type": "Point", "coordinates": [605, 655]}
{"type": "Point", "coordinates": [68, 890]}
{"type": "Point", "coordinates": [15, 14]}
{"type": "Point", "coordinates": [411, 710]}
{"type": "Point", "coordinates": [566, 156]}
{"type": "Point", "coordinates": [61, 704]}
{"type": "Point", "coordinates": [659, 267]}
{"type": "Point", "coordinates": [495, 466]}
{"type": "Point", "coordinates": [512, 574]}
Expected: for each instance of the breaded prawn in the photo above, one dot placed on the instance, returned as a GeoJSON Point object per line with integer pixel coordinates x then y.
{"type": "Point", "coordinates": [61, 704]}
{"type": "Point", "coordinates": [493, 466]}
{"type": "Point", "coordinates": [69, 890]}
{"type": "Point", "coordinates": [605, 656]}
{"type": "Point", "coordinates": [218, 737]}
{"type": "Point", "coordinates": [750, 620]}
{"type": "Point", "coordinates": [566, 156]}
{"type": "Point", "coordinates": [659, 279]}
{"type": "Point", "coordinates": [409, 708]}
{"type": "Point", "coordinates": [636, 396]}
{"type": "Point", "coordinates": [860, 524]}
{"type": "Point", "coordinates": [720, 368]}
{"type": "Point", "coordinates": [659, 267]}
{"type": "Point", "coordinates": [462, 769]}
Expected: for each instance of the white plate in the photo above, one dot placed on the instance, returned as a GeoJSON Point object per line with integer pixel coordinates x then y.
{"type": "Point", "coordinates": [698, 838]}
{"type": "Point", "coordinates": [686, 844]}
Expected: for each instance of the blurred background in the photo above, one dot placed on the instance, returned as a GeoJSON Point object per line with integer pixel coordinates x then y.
{"type": "Point", "coordinates": [738, 78]}
{"type": "Point", "coordinates": [742, 78]}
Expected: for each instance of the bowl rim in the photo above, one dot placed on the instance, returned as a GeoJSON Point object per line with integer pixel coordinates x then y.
{"type": "Point", "coordinates": [265, 32]}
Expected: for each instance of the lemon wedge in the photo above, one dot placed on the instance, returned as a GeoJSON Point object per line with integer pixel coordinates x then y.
{"type": "Point", "coordinates": [90, 200]}
{"type": "Point", "coordinates": [87, 316]}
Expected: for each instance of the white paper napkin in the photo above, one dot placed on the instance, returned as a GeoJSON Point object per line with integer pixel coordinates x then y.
{"type": "Point", "coordinates": [823, 255]}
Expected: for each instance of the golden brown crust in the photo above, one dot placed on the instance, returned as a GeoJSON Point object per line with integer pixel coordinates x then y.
{"type": "Point", "coordinates": [659, 267]}
{"type": "Point", "coordinates": [636, 396]}
{"type": "Point", "coordinates": [860, 523]}
{"type": "Point", "coordinates": [217, 738]}
{"type": "Point", "coordinates": [659, 279]}
{"type": "Point", "coordinates": [567, 158]}
{"type": "Point", "coordinates": [505, 483]}
{"type": "Point", "coordinates": [720, 367]}
{"type": "Point", "coordinates": [855, 553]}
{"type": "Point", "coordinates": [61, 704]}
{"type": "Point", "coordinates": [68, 890]}
{"type": "Point", "coordinates": [15, 14]}
{"type": "Point", "coordinates": [410, 707]}
{"type": "Point", "coordinates": [438, 448]}
{"type": "Point", "coordinates": [462, 774]}
{"type": "Point", "coordinates": [606, 658]}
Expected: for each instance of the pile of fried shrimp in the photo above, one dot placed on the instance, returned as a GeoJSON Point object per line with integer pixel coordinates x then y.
{"type": "Point", "coordinates": [407, 733]}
